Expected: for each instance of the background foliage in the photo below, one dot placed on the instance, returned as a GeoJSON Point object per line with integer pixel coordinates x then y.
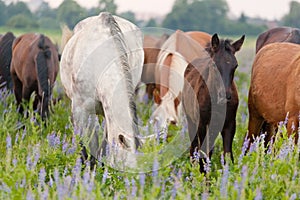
{"type": "Point", "coordinates": [204, 15]}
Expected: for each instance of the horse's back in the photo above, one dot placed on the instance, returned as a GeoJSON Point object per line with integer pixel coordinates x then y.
{"type": "Point", "coordinates": [202, 38]}
{"type": "Point", "coordinates": [274, 67]}
{"type": "Point", "coordinates": [91, 50]}
{"type": "Point", "coordinates": [278, 34]}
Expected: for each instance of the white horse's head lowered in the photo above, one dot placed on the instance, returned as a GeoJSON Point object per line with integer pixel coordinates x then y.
{"type": "Point", "coordinates": [100, 68]}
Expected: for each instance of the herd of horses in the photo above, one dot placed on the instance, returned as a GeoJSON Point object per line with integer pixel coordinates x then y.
{"type": "Point", "coordinates": [187, 74]}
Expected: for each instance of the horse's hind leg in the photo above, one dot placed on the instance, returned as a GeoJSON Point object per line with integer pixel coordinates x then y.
{"type": "Point", "coordinates": [17, 90]}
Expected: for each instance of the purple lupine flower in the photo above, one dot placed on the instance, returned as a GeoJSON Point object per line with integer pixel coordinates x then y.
{"type": "Point", "coordinates": [15, 161]}
{"type": "Point", "coordinates": [196, 155]}
{"type": "Point", "coordinates": [44, 195]}
{"type": "Point", "coordinates": [175, 188]}
{"type": "Point", "coordinates": [53, 139]}
{"type": "Point", "coordinates": [163, 188]}
{"type": "Point", "coordinates": [237, 187]}
{"type": "Point", "coordinates": [29, 195]}
{"type": "Point", "coordinates": [50, 183]}
{"type": "Point", "coordinates": [8, 142]}
{"type": "Point", "coordinates": [4, 187]}
{"type": "Point", "coordinates": [155, 168]}
{"type": "Point", "coordinates": [207, 165]}
{"type": "Point", "coordinates": [42, 176]}
{"type": "Point", "coordinates": [222, 160]}
{"type": "Point", "coordinates": [258, 194]}
{"type": "Point", "coordinates": [293, 196]}
{"type": "Point", "coordinates": [24, 133]}
{"type": "Point", "coordinates": [76, 172]}
{"type": "Point", "coordinates": [142, 180]}
{"type": "Point", "coordinates": [224, 181]}
{"type": "Point", "coordinates": [23, 183]}
{"type": "Point", "coordinates": [286, 119]}
{"type": "Point", "coordinates": [127, 184]}
{"type": "Point", "coordinates": [104, 176]}
{"type": "Point", "coordinates": [244, 148]}
{"type": "Point", "coordinates": [29, 163]}
{"type": "Point", "coordinates": [204, 195]}
{"type": "Point", "coordinates": [36, 152]}
{"type": "Point", "coordinates": [17, 137]}
{"type": "Point", "coordinates": [134, 188]}
{"type": "Point", "coordinates": [244, 178]}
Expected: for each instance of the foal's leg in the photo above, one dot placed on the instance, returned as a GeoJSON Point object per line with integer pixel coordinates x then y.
{"type": "Point", "coordinates": [228, 135]}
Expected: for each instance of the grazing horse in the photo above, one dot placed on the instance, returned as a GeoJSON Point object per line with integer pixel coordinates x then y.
{"type": "Point", "coordinates": [278, 34]}
{"type": "Point", "coordinates": [101, 65]}
{"type": "Point", "coordinates": [271, 99]}
{"type": "Point", "coordinates": [5, 60]}
{"type": "Point", "coordinates": [205, 78]}
{"type": "Point", "coordinates": [34, 68]}
{"type": "Point", "coordinates": [151, 50]}
{"type": "Point", "coordinates": [175, 54]}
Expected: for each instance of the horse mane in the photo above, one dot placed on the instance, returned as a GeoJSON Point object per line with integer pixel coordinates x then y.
{"type": "Point", "coordinates": [118, 39]}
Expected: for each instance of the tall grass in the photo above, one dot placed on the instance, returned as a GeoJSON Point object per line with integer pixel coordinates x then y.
{"type": "Point", "coordinates": [43, 162]}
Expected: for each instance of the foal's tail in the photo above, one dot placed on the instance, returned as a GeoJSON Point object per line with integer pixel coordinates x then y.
{"type": "Point", "coordinates": [42, 72]}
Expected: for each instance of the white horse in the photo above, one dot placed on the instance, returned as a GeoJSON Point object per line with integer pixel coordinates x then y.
{"type": "Point", "coordinates": [101, 65]}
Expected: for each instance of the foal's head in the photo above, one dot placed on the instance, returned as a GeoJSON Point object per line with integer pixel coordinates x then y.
{"type": "Point", "coordinates": [223, 54]}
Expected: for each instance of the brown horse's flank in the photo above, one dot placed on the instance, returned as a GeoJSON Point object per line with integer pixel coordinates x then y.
{"type": "Point", "coordinates": [271, 100]}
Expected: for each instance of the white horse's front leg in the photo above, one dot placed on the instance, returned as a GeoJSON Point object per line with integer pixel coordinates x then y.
{"type": "Point", "coordinates": [88, 126]}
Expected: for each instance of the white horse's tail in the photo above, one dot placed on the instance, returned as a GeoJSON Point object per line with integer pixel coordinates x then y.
{"type": "Point", "coordinates": [66, 36]}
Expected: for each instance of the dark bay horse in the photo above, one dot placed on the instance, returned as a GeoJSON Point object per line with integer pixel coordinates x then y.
{"type": "Point", "coordinates": [34, 68]}
{"type": "Point", "coordinates": [278, 34]}
{"type": "Point", "coordinates": [151, 48]}
{"type": "Point", "coordinates": [5, 59]}
{"type": "Point", "coordinates": [272, 99]}
{"type": "Point", "coordinates": [206, 115]}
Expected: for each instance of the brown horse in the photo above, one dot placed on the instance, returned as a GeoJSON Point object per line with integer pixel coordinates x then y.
{"type": "Point", "coordinates": [180, 49]}
{"type": "Point", "coordinates": [151, 50]}
{"type": "Point", "coordinates": [278, 34]}
{"type": "Point", "coordinates": [5, 59]}
{"type": "Point", "coordinates": [272, 99]}
{"type": "Point", "coordinates": [34, 68]}
{"type": "Point", "coordinates": [206, 115]}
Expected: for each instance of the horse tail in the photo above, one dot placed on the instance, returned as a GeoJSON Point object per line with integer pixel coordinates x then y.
{"type": "Point", "coordinates": [5, 58]}
{"type": "Point", "coordinates": [42, 73]}
{"type": "Point", "coordinates": [66, 36]}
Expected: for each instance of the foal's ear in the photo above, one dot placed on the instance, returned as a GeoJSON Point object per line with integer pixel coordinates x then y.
{"type": "Point", "coordinates": [215, 42]}
{"type": "Point", "coordinates": [238, 44]}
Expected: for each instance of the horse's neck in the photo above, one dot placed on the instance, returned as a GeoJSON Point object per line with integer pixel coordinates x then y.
{"type": "Point", "coordinates": [118, 111]}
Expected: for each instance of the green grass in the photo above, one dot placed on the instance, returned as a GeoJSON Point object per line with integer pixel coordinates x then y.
{"type": "Point", "coordinates": [42, 162]}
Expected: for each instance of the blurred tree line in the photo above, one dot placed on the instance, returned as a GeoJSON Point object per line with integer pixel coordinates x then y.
{"type": "Point", "coordinates": [206, 15]}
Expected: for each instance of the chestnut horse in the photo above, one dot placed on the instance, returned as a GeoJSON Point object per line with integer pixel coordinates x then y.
{"type": "Point", "coordinates": [278, 34]}
{"type": "Point", "coordinates": [151, 48]}
{"type": "Point", "coordinates": [206, 115]}
{"type": "Point", "coordinates": [5, 60]}
{"type": "Point", "coordinates": [175, 54]}
{"type": "Point", "coordinates": [272, 99]}
{"type": "Point", "coordinates": [34, 68]}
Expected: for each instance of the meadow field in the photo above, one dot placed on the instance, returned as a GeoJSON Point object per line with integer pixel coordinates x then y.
{"type": "Point", "coordinates": [43, 162]}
